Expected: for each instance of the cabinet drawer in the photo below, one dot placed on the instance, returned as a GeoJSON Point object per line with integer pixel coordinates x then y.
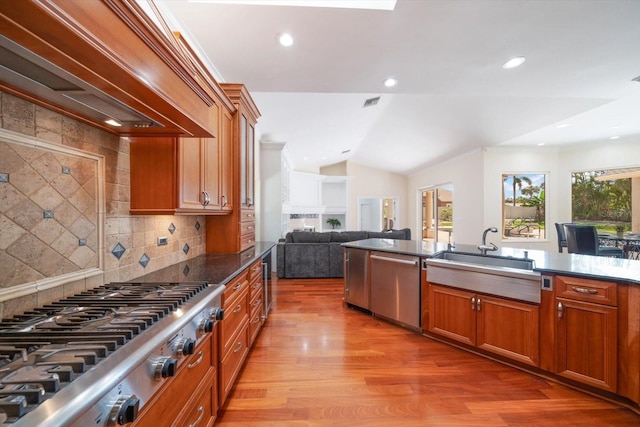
{"type": "Point", "coordinates": [234, 288]}
{"type": "Point", "coordinates": [587, 290]}
{"type": "Point", "coordinates": [248, 227]}
{"type": "Point", "coordinates": [232, 362]}
{"type": "Point", "coordinates": [247, 241]}
{"type": "Point", "coordinates": [255, 322]}
{"type": "Point", "coordinates": [171, 399]}
{"type": "Point", "coordinates": [203, 407]}
{"type": "Point", "coordinates": [234, 317]}
{"type": "Point", "coordinates": [256, 300]}
{"type": "Point", "coordinates": [255, 270]}
{"type": "Point", "coordinates": [247, 215]}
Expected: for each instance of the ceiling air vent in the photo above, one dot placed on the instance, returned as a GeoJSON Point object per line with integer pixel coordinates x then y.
{"type": "Point", "coordinates": [371, 102]}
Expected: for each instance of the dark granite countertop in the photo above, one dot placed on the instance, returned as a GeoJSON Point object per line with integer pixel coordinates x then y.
{"type": "Point", "coordinates": [592, 267]}
{"type": "Point", "coordinates": [210, 268]}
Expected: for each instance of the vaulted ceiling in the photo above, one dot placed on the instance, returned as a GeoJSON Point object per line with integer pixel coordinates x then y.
{"type": "Point", "coordinates": [452, 96]}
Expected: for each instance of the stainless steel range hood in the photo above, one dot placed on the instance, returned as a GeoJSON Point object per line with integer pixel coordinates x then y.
{"type": "Point", "coordinates": [32, 74]}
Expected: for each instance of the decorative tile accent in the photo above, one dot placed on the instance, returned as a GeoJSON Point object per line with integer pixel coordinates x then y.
{"type": "Point", "coordinates": [172, 228]}
{"type": "Point", "coordinates": [144, 260]}
{"type": "Point", "coordinates": [185, 270]}
{"type": "Point", "coordinates": [197, 225]}
{"type": "Point", "coordinates": [185, 248]}
{"type": "Point", "coordinates": [66, 170]}
{"type": "Point", "coordinates": [118, 250]}
{"type": "Point", "coordinates": [82, 242]}
{"type": "Point", "coordinates": [4, 177]}
{"type": "Point", "coordinates": [301, 216]}
{"type": "Point", "coordinates": [47, 214]}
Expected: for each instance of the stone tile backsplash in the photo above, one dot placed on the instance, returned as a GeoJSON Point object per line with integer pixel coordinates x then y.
{"type": "Point", "coordinates": [50, 210]}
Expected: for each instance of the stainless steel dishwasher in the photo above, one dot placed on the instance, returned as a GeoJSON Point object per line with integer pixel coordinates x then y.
{"type": "Point", "coordinates": [395, 287]}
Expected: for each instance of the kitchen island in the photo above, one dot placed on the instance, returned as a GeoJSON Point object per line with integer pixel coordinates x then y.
{"type": "Point", "coordinates": [577, 322]}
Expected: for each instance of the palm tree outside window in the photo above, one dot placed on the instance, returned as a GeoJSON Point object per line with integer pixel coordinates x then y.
{"type": "Point", "coordinates": [523, 206]}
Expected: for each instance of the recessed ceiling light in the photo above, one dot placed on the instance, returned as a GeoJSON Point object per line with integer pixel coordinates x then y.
{"type": "Point", "coordinates": [390, 82]}
{"type": "Point", "coordinates": [113, 122]}
{"type": "Point", "coordinates": [541, 144]}
{"type": "Point", "coordinates": [514, 62]}
{"type": "Point", "coordinates": [614, 137]}
{"type": "Point", "coordinates": [562, 125]}
{"type": "Point", "coordinates": [285, 39]}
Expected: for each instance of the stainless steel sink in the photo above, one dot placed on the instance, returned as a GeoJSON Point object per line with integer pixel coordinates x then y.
{"type": "Point", "coordinates": [493, 275]}
{"type": "Point", "coordinates": [492, 261]}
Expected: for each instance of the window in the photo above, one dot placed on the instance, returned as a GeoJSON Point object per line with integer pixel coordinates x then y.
{"type": "Point", "coordinates": [437, 214]}
{"type": "Point", "coordinates": [523, 208]}
{"type": "Point", "coordinates": [603, 198]}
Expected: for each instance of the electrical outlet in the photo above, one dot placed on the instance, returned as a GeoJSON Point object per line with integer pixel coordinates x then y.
{"type": "Point", "coordinates": [162, 241]}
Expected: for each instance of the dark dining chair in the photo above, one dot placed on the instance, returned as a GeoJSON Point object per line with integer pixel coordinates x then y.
{"type": "Point", "coordinates": [562, 237]}
{"type": "Point", "coordinates": [583, 239]}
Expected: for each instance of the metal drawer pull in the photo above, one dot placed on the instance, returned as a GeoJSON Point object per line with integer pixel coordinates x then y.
{"type": "Point", "coordinates": [236, 287]}
{"type": "Point", "coordinates": [257, 302]}
{"type": "Point", "coordinates": [560, 310]}
{"type": "Point", "coordinates": [239, 347]}
{"type": "Point", "coordinates": [478, 304]}
{"type": "Point", "coordinates": [399, 261]}
{"type": "Point", "coordinates": [473, 303]}
{"type": "Point", "coordinates": [585, 290]}
{"type": "Point", "coordinates": [224, 200]}
{"type": "Point", "coordinates": [256, 320]}
{"type": "Point", "coordinates": [238, 308]}
{"type": "Point", "coordinates": [196, 422]}
{"type": "Point", "coordinates": [197, 362]}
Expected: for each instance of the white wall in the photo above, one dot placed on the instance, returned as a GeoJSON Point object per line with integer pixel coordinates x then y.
{"type": "Point", "coordinates": [477, 182]}
{"type": "Point", "coordinates": [367, 182]}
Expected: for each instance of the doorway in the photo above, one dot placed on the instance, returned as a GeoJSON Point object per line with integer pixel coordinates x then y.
{"type": "Point", "coordinates": [377, 213]}
{"type": "Point", "coordinates": [437, 213]}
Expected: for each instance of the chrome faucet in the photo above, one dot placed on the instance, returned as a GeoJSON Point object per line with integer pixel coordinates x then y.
{"type": "Point", "coordinates": [490, 247]}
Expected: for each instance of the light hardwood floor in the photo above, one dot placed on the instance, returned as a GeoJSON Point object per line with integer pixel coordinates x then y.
{"type": "Point", "coordinates": [316, 363]}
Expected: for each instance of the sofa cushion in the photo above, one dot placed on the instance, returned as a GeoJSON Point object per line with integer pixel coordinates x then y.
{"type": "Point", "coordinates": [307, 237]}
{"type": "Point", "coordinates": [306, 260]}
{"type": "Point", "coordinates": [404, 234]}
{"type": "Point", "coordinates": [348, 236]}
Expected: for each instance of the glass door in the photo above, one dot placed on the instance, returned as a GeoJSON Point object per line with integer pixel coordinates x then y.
{"type": "Point", "coordinates": [437, 213]}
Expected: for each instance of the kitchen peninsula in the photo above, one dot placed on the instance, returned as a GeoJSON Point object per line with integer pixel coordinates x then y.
{"type": "Point", "coordinates": [576, 318]}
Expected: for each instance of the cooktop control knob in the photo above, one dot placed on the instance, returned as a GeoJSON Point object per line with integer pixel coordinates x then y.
{"type": "Point", "coordinates": [165, 367]}
{"type": "Point", "coordinates": [186, 346]}
{"type": "Point", "coordinates": [217, 313]}
{"type": "Point", "coordinates": [124, 411]}
{"type": "Point", "coordinates": [206, 325]}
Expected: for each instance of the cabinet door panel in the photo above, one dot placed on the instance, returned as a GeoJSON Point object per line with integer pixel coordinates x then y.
{"type": "Point", "coordinates": [226, 160]}
{"type": "Point", "coordinates": [587, 343]}
{"type": "Point", "coordinates": [190, 167]}
{"type": "Point", "coordinates": [451, 314]}
{"type": "Point", "coordinates": [211, 172]}
{"type": "Point", "coordinates": [508, 328]}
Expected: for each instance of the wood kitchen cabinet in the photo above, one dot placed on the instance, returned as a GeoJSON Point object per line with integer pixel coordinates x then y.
{"type": "Point", "coordinates": [195, 374]}
{"type": "Point", "coordinates": [234, 333]}
{"type": "Point", "coordinates": [498, 325]}
{"type": "Point", "coordinates": [183, 175]}
{"type": "Point", "coordinates": [236, 232]}
{"type": "Point", "coordinates": [587, 331]}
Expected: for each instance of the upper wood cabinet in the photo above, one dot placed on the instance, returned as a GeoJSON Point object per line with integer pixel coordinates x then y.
{"type": "Point", "coordinates": [244, 126]}
{"type": "Point", "coordinates": [236, 232]}
{"type": "Point", "coordinates": [183, 175]}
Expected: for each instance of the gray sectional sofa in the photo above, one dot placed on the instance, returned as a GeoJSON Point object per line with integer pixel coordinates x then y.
{"type": "Point", "coordinates": [305, 254]}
